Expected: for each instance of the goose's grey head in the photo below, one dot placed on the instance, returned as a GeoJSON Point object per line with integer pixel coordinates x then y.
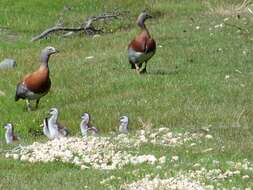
{"type": "Point", "coordinates": [86, 118]}
{"type": "Point", "coordinates": [54, 112]}
{"type": "Point", "coordinates": [142, 18]}
{"type": "Point", "coordinates": [8, 126]}
{"type": "Point", "coordinates": [46, 52]}
{"type": "Point", "coordinates": [123, 120]}
{"type": "Point", "coordinates": [49, 51]}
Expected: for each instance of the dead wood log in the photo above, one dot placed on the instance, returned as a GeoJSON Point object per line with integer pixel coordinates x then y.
{"type": "Point", "coordinates": [55, 29]}
{"type": "Point", "coordinates": [88, 27]}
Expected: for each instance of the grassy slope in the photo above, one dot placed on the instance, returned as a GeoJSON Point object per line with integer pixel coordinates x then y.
{"type": "Point", "coordinates": [185, 87]}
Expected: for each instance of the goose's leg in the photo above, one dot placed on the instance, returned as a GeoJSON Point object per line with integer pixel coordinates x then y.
{"type": "Point", "coordinates": [37, 103]}
{"type": "Point", "coordinates": [144, 70]}
{"type": "Point", "coordinates": [28, 105]}
{"type": "Point", "coordinates": [137, 68]}
{"type": "Point", "coordinates": [132, 66]}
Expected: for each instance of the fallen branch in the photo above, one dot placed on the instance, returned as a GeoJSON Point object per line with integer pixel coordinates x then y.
{"type": "Point", "coordinates": [235, 26]}
{"type": "Point", "coordinates": [55, 29]}
{"type": "Point", "coordinates": [87, 27]}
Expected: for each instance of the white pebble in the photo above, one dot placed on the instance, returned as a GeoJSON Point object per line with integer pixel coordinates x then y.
{"type": "Point", "coordinates": [209, 137]}
{"type": "Point", "coordinates": [84, 167]}
{"type": "Point", "coordinates": [174, 158]}
{"type": "Point", "coordinates": [7, 155]}
{"type": "Point", "coordinates": [162, 159]}
{"type": "Point", "coordinates": [15, 156]}
{"type": "Point", "coordinates": [227, 76]}
{"type": "Point", "coordinates": [89, 57]}
{"type": "Point", "coordinates": [245, 177]}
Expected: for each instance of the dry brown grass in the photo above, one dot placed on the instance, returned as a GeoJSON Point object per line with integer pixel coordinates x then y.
{"type": "Point", "coordinates": [145, 124]}
{"type": "Point", "coordinates": [231, 9]}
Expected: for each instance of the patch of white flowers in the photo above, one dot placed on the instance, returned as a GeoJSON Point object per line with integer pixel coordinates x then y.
{"type": "Point", "coordinates": [109, 153]}
{"type": "Point", "coordinates": [161, 136]}
{"type": "Point", "coordinates": [218, 175]}
{"type": "Point", "coordinates": [173, 183]}
{"type": "Point", "coordinates": [102, 152]}
{"type": "Point", "coordinates": [198, 178]}
{"type": "Point", "coordinates": [142, 159]}
{"type": "Point", "coordinates": [96, 152]}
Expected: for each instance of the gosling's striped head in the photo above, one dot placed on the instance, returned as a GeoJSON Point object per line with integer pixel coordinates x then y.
{"type": "Point", "coordinates": [85, 118]}
{"type": "Point", "coordinates": [123, 127]}
{"type": "Point", "coordinates": [54, 111]}
{"type": "Point", "coordinates": [8, 126]}
{"type": "Point", "coordinates": [123, 120]}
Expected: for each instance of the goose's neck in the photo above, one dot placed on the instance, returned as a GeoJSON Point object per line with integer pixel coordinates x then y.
{"type": "Point", "coordinates": [143, 27]}
{"type": "Point", "coordinates": [141, 24]}
{"type": "Point", "coordinates": [84, 124]}
{"type": "Point", "coordinates": [53, 119]}
{"type": "Point", "coordinates": [9, 132]}
{"type": "Point", "coordinates": [44, 59]}
{"type": "Point", "coordinates": [124, 125]}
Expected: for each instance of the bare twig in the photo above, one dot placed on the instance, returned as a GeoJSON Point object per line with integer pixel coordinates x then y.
{"type": "Point", "coordinates": [245, 3]}
{"type": "Point", "coordinates": [237, 27]}
{"type": "Point", "coordinates": [240, 115]}
{"type": "Point", "coordinates": [14, 150]}
{"type": "Point", "coordinates": [87, 27]}
{"type": "Point", "coordinates": [237, 117]}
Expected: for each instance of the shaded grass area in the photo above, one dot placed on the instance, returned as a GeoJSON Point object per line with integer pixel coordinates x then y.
{"type": "Point", "coordinates": [198, 78]}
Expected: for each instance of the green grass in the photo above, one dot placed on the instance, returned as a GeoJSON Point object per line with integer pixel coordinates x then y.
{"type": "Point", "coordinates": [185, 87]}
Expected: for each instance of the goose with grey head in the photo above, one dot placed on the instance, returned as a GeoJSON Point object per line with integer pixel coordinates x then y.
{"type": "Point", "coordinates": [142, 48]}
{"type": "Point", "coordinates": [35, 85]}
